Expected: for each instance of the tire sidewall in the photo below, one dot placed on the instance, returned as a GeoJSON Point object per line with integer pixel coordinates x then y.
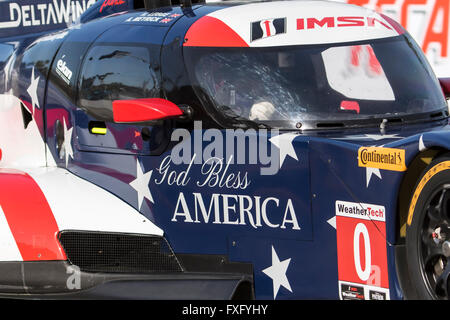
{"type": "Point", "coordinates": [414, 230]}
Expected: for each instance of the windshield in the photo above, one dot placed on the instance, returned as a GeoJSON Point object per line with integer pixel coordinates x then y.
{"type": "Point", "coordinates": [290, 86]}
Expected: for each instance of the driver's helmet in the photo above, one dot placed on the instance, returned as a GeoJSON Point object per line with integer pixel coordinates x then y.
{"type": "Point", "coordinates": [240, 94]}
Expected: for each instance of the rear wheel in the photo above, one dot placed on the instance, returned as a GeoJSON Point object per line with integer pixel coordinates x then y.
{"type": "Point", "coordinates": [428, 232]}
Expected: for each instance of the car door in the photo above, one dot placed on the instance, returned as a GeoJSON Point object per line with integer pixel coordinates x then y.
{"type": "Point", "coordinates": [119, 69]}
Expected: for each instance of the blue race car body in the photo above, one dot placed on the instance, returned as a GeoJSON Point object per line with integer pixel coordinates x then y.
{"type": "Point", "coordinates": [276, 150]}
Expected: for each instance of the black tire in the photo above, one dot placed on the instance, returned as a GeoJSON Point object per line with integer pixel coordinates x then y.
{"type": "Point", "coordinates": [428, 232]}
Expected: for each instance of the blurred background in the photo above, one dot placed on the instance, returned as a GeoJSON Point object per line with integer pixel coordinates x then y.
{"type": "Point", "coordinates": [426, 20]}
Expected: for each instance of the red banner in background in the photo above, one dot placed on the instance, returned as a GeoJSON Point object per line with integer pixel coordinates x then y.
{"type": "Point", "coordinates": [426, 20]}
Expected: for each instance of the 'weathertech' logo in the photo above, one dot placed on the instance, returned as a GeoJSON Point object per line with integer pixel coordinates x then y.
{"type": "Point", "coordinates": [382, 158]}
{"type": "Point", "coordinates": [363, 211]}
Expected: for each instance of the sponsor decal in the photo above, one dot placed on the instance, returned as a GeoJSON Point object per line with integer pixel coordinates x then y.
{"type": "Point", "coordinates": [360, 210]}
{"type": "Point", "coordinates": [377, 295]}
{"type": "Point", "coordinates": [42, 13]}
{"type": "Point", "coordinates": [63, 71]}
{"type": "Point", "coordinates": [267, 28]}
{"type": "Point", "coordinates": [110, 3]}
{"type": "Point", "coordinates": [280, 25]}
{"type": "Point", "coordinates": [382, 158]}
{"type": "Point", "coordinates": [352, 292]}
{"type": "Point", "coordinates": [337, 22]}
{"type": "Point", "coordinates": [361, 248]}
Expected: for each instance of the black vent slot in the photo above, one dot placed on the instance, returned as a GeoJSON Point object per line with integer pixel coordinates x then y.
{"type": "Point", "coordinates": [394, 120]}
{"type": "Point", "coordinates": [118, 252]}
{"type": "Point", "coordinates": [437, 114]}
{"type": "Point", "coordinates": [330, 125]}
{"type": "Point", "coordinates": [153, 4]}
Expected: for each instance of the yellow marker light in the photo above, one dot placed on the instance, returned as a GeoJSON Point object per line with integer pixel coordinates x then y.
{"type": "Point", "coordinates": [96, 130]}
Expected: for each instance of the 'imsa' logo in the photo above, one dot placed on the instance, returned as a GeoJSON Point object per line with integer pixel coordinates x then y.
{"type": "Point", "coordinates": [267, 28]}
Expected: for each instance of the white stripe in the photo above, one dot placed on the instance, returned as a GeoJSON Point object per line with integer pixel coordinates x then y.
{"type": "Point", "coordinates": [80, 205]}
{"type": "Point", "coordinates": [21, 148]}
{"type": "Point", "coordinates": [239, 18]}
{"type": "Point", "coordinates": [8, 246]}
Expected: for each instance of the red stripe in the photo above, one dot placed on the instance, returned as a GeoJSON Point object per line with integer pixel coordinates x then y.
{"type": "Point", "coordinates": [212, 32]}
{"type": "Point", "coordinates": [267, 23]}
{"type": "Point", "coordinates": [29, 217]}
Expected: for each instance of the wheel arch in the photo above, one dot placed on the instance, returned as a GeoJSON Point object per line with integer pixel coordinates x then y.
{"type": "Point", "coordinates": [408, 184]}
{"type": "Point", "coordinates": [416, 169]}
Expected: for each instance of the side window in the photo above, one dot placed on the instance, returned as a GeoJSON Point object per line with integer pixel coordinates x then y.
{"type": "Point", "coordinates": [117, 73]}
{"type": "Point", "coordinates": [6, 50]}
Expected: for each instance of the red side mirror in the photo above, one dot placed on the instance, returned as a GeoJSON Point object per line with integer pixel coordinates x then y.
{"type": "Point", "coordinates": [350, 105]}
{"type": "Point", "coordinates": [445, 85]}
{"type": "Point", "coordinates": [142, 110]}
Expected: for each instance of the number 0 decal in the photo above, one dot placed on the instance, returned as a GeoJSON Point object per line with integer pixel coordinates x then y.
{"type": "Point", "coordinates": [362, 230]}
{"type": "Point", "coordinates": [361, 249]}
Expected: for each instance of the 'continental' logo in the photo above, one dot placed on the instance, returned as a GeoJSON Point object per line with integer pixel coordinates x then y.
{"type": "Point", "coordinates": [382, 158]}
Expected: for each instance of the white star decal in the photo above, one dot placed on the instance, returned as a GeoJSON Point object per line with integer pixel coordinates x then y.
{"type": "Point", "coordinates": [140, 184]}
{"type": "Point", "coordinates": [371, 137]}
{"type": "Point", "coordinates": [32, 91]}
{"type": "Point", "coordinates": [67, 142]}
{"type": "Point", "coordinates": [382, 136]}
{"type": "Point", "coordinates": [369, 172]}
{"type": "Point", "coordinates": [284, 143]}
{"type": "Point", "coordinates": [277, 272]}
{"type": "Point", "coordinates": [332, 222]}
{"type": "Point", "coordinates": [421, 144]}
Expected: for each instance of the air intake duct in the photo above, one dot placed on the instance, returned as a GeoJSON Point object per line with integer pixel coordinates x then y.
{"type": "Point", "coordinates": [118, 252]}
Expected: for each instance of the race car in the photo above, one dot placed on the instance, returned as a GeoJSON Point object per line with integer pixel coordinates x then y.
{"type": "Point", "coordinates": [262, 150]}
